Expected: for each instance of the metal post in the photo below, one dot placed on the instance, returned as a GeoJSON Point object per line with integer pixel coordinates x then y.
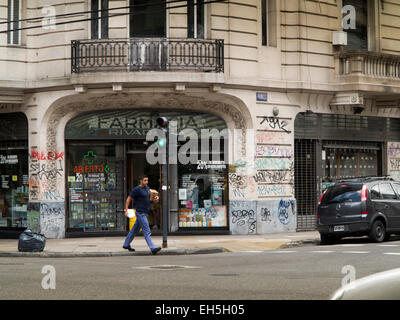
{"type": "Point", "coordinates": [163, 124]}
{"type": "Point", "coordinates": [164, 188]}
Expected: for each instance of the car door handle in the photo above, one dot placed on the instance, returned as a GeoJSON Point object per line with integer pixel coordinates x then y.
{"type": "Point", "coordinates": [386, 206]}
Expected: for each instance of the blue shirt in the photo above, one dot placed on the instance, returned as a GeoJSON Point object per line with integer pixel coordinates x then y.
{"type": "Point", "coordinates": [141, 197]}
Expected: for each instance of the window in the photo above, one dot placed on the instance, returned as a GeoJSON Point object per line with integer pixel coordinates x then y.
{"type": "Point", "coordinates": [99, 22]}
{"type": "Point", "coordinates": [396, 187]}
{"type": "Point", "coordinates": [195, 19]}
{"type": "Point", "coordinates": [202, 196]}
{"type": "Point", "coordinates": [375, 193]}
{"type": "Point", "coordinates": [94, 186]}
{"type": "Point", "coordinates": [357, 35]}
{"type": "Point", "coordinates": [147, 18]}
{"type": "Point", "coordinates": [13, 16]}
{"type": "Point", "coordinates": [387, 191]}
{"type": "Point", "coordinates": [14, 171]}
{"type": "Point", "coordinates": [343, 193]}
{"type": "Point", "coordinates": [268, 23]}
{"type": "Point", "coordinates": [360, 20]}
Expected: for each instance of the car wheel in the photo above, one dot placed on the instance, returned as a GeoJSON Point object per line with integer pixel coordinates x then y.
{"type": "Point", "coordinates": [328, 239]}
{"type": "Point", "coordinates": [378, 231]}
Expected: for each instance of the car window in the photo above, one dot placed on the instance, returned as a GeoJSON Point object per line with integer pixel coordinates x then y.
{"type": "Point", "coordinates": [375, 192]}
{"type": "Point", "coordinates": [387, 191]}
{"type": "Point", "coordinates": [341, 193]}
{"type": "Point", "coordinates": [396, 187]}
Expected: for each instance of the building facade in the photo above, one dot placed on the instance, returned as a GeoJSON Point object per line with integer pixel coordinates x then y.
{"type": "Point", "coordinates": [306, 92]}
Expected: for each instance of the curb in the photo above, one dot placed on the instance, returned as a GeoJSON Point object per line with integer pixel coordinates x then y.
{"type": "Point", "coordinates": [45, 254]}
{"type": "Point", "coordinates": [298, 243]}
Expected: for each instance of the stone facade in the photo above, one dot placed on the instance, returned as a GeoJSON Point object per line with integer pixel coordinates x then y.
{"type": "Point", "coordinates": [260, 93]}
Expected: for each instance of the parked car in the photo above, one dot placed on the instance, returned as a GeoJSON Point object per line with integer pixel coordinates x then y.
{"type": "Point", "coordinates": [357, 207]}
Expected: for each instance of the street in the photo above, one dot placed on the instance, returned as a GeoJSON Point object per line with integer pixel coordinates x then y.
{"type": "Point", "coordinates": [311, 272]}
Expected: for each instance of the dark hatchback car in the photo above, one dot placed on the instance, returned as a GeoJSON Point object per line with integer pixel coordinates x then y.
{"type": "Point", "coordinates": [357, 207]}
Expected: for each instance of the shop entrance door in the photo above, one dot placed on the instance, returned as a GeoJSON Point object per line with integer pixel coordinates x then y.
{"type": "Point", "coordinates": [137, 166]}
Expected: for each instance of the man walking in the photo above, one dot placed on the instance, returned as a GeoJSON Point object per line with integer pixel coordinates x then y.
{"type": "Point", "coordinates": [141, 202]}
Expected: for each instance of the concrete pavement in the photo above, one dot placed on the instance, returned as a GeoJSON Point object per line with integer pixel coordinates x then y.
{"type": "Point", "coordinates": [177, 245]}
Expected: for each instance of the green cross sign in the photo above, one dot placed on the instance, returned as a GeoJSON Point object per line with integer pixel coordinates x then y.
{"type": "Point", "coordinates": [90, 157]}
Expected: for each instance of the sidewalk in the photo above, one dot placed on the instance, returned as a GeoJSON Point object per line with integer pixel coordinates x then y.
{"type": "Point", "coordinates": [177, 245]}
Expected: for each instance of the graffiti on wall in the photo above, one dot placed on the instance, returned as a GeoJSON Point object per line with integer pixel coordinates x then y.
{"type": "Point", "coordinates": [263, 216]}
{"type": "Point", "coordinates": [52, 219]}
{"type": "Point", "coordinates": [46, 213]}
{"type": "Point", "coordinates": [243, 217]}
{"type": "Point", "coordinates": [33, 216]}
{"type": "Point", "coordinates": [44, 170]}
{"type": "Point", "coordinates": [274, 158]}
{"type": "Point", "coordinates": [271, 171]}
{"type": "Point", "coordinates": [393, 156]}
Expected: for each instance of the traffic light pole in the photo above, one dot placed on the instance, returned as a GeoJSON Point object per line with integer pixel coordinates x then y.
{"type": "Point", "coordinates": [164, 183]}
{"type": "Point", "coordinates": [164, 188]}
{"type": "Point", "coordinates": [163, 123]}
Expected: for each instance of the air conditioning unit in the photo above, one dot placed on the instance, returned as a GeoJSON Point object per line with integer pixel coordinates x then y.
{"type": "Point", "coordinates": [339, 38]}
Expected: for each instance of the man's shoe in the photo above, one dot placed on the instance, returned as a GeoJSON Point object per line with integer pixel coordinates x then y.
{"type": "Point", "coordinates": [129, 248]}
{"type": "Point", "coordinates": [155, 250]}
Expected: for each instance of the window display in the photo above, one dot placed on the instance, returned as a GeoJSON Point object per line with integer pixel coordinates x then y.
{"type": "Point", "coordinates": [202, 196]}
{"type": "Point", "coordinates": [93, 190]}
{"type": "Point", "coordinates": [14, 188]}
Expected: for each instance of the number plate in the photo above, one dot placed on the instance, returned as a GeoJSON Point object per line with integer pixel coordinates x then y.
{"type": "Point", "coordinates": [338, 228]}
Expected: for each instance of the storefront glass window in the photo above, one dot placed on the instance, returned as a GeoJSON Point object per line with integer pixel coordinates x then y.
{"type": "Point", "coordinates": [202, 196]}
{"type": "Point", "coordinates": [14, 178]}
{"type": "Point", "coordinates": [93, 187]}
{"type": "Point", "coordinates": [14, 188]}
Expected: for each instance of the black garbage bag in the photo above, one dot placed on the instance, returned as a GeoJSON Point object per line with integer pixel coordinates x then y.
{"type": "Point", "coordinates": [30, 241]}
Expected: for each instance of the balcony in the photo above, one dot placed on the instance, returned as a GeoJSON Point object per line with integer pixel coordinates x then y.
{"type": "Point", "coordinates": [150, 54]}
{"type": "Point", "coordinates": [370, 64]}
{"type": "Point", "coordinates": [368, 71]}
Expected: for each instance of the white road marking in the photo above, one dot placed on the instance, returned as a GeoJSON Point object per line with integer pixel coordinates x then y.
{"type": "Point", "coordinates": [392, 253]}
{"type": "Point", "coordinates": [322, 251]}
{"type": "Point", "coordinates": [355, 251]}
{"type": "Point", "coordinates": [285, 251]}
{"type": "Point", "coordinates": [252, 251]}
{"type": "Point", "coordinates": [388, 245]}
{"type": "Point", "coordinates": [352, 245]}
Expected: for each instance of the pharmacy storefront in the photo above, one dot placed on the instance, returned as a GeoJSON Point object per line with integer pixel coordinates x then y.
{"type": "Point", "coordinates": [107, 151]}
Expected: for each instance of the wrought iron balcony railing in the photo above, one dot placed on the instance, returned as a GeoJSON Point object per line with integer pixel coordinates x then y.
{"type": "Point", "coordinates": [369, 63]}
{"type": "Point", "coordinates": [150, 54]}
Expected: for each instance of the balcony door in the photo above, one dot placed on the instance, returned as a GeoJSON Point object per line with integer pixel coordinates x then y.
{"type": "Point", "coordinates": [147, 19]}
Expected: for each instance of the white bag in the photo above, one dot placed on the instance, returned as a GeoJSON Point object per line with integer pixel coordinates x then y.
{"type": "Point", "coordinates": [131, 213]}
